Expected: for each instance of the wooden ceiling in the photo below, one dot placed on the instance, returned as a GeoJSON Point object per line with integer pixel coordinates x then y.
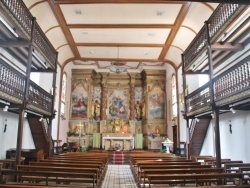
{"type": "Point", "coordinates": [141, 33]}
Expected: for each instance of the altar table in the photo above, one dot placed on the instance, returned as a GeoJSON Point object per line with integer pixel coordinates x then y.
{"type": "Point", "coordinates": [118, 138]}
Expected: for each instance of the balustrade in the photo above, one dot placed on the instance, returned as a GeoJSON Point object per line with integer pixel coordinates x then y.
{"type": "Point", "coordinates": [221, 18]}
{"type": "Point", "coordinates": [199, 99]}
{"type": "Point", "coordinates": [25, 19]}
{"type": "Point", "coordinates": [233, 81]}
{"type": "Point", "coordinates": [39, 98]}
{"type": "Point", "coordinates": [11, 82]}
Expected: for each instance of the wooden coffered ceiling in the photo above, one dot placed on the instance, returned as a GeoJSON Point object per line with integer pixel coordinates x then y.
{"type": "Point", "coordinates": [95, 33]}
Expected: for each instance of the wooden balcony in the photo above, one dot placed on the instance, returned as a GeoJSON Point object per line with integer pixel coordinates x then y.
{"type": "Point", "coordinates": [12, 88]}
{"type": "Point", "coordinates": [22, 39]}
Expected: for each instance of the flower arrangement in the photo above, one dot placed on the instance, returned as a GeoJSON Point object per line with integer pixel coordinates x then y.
{"type": "Point", "coordinates": [118, 146]}
{"type": "Point", "coordinates": [153, 134]}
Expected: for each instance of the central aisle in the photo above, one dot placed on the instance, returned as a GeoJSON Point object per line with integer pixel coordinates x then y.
{"type": "Point", "coordinates": [119, 176]}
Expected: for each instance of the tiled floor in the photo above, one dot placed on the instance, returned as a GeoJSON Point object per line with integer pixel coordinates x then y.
{"type": "Point", "coordinates": [119, 176]}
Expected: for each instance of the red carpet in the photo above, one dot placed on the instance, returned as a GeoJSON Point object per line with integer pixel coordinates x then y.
{"type": "Point", "coordinates": [118, 157]}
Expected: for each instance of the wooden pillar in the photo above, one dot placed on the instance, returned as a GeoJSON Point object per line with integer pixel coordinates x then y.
{"type": "Point", "coordinates": [217, 138]}
{"type": "Point", "coordinates": [25, 99]}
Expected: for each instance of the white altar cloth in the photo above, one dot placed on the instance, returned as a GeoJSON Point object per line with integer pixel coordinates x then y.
{"type": "Point", "coordinates": [119, 138]}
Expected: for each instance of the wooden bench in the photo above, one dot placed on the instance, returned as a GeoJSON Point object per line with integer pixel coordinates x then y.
{"type": "Point", "coordinates": [193, 178]}
{"type": "Point", "coordinates": [50, 169]}
{"type": "Point", "coordinates": [146, 172]}
{"type": "Point", "coordinates": [57, 177]}
{"type": "Point", "coordinates": [137, 167]}
{"type": "Point", "coordinates": [151, 167]}
{"type": "Point", "coordinates": [101, 172]}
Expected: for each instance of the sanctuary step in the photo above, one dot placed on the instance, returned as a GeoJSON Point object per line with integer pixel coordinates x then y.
{"type": "Point", "coordinates": [119, 157]}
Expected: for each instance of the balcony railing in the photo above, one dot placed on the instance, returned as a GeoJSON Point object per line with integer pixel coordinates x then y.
{"type": "Point", "coordinates": [218, 21]}
{"type": "Point", "coordinates": [11, 83]}
{"type": "Point", "coordinates": [21, 14]}
{"type": "Point", "coordinates": [12, 86]}
{"type": "Point", "coordinates": [199, 101]}
{"type": "Point", "coordinates": [233, 84]}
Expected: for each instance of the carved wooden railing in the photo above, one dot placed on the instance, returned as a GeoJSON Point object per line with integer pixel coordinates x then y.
{"type": "Point", "coordinates": [22, 15]}
{"type": "Point", "coordinates": [218, 21]}
{"type": "Point", "coordinates": [233, 84]}
{"type": "Point", "coordinates": [199, 101]}
{"type": "Point", "coordinates": [39, 100]}
{"type": "Point", "coordinates": [11, 83]}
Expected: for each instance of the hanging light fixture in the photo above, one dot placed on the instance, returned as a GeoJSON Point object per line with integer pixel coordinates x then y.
{"type": "Point", "coordinates": [118, 66]}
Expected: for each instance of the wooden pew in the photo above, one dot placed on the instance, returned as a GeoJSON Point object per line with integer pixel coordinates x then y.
{"type": "Point", "coordinates": [101, 172]}
{"type": "Point", "coordinates": [47, 176]}
{"type": "Point", "coordinates": [50, 169]}
{"type": "Point", "coordinates": [167, 167]}
{"type": "Point", "coordinates": [138, 165]}
{"type": "Point", "coordinates": [193, 178]}
{"type": "Point", "coordinates": [147, 172]}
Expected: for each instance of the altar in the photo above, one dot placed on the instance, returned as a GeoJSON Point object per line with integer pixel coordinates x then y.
{"type": "Point", "coordinates": [126, 142]}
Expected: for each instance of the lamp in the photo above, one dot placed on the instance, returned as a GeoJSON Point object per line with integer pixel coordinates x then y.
{"type": "Point", "coordinates": [117, 66]}
{"type": "Point", "coordinates": [5, 109]}
{"type": "Point", "coordinates": [233, 110]}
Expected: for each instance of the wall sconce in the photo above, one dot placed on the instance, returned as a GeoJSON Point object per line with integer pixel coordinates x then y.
{"type": "Point", "coordinates": [233, 110]}
{"type": "Point", "coordinates": [41, 119]}
{"type": "Point", "coordinates": [25, 114]}
{"type": "Point", "coordinates": [5, 109]}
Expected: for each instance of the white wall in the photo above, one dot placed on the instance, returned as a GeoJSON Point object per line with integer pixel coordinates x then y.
{"type": "Point", "coordinates": [8, 139]}
{"type": "Point", "coordinates": [236, 145]}
{"type": "Point", "coordinates": [170, 71]}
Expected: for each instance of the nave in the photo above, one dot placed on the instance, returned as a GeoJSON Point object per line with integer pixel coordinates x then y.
{"type": "Point", "coordinates": [119, 176]}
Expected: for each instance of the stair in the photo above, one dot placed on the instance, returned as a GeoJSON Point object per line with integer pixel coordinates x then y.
{"type": "Point", "coordinates": [198, 136]}
{"type": "Point", "coordinates": [39, 134]}
{"type": "Point", "coordinates": [119, 157]}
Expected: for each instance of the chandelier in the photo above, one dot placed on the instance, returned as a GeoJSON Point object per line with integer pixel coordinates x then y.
{"type": "Point", "coordinates": [117, 66]}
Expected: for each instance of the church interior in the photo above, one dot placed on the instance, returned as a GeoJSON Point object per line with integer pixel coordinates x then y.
{"type": "Point", "coordinates": [114, 94]}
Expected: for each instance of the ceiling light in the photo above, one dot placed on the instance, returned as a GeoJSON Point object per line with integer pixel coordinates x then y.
{"type": "Point", "coordinates": [145, 53]}
{"type": "Point", "coordinates": [233, 110]}
{"type": "Point", "coordinates": [91, 52]}
{"type": "Point", "coordinates": [78, 11]}
{"type": "Point", "coordinates": [118, 67]}
{"type": "Point", "coordinates": [85, 32]}
{"type": "Point", "coordinates": [159, 13]}
{"type": "Point", "coordinates": [5, 109]}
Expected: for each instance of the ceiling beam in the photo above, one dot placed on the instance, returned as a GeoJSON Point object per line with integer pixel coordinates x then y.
{"type": "Point", "coordinates": [170, 26]}
{"type": "Point", "coordinates": [149, 1]}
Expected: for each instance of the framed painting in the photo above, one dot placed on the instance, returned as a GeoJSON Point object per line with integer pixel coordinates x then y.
{"type": "Point", "coordinates": [156, 103]}
{"type": "Point", "coordinates": [118, 106]}
{"type": "Point", "coordinates": [79, 99]}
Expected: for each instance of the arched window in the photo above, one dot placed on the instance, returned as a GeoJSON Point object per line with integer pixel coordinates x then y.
{"type": "Point", "coordinates": [63, 95]}
{"type": "Point", "coordinates": [174, 98]}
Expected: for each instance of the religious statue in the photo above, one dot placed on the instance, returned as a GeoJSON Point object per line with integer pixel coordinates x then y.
{"type": "Point", "coordinates": [96, 110]}
{"type": "Point", "coordinates": [138, 110]}
{"type": "Point", "coordinates": [77, 130]}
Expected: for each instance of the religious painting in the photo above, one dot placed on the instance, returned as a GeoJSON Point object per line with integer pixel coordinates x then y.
{"type": "Point", "coordinates": [156, 103]}
{"type": "Point", "coordinates": [118, 104]}
{"type": "Point", "coordinates": [79, 99]}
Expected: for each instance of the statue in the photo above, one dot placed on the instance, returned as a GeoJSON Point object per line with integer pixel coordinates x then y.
{"type": "Point", "coordinates": [138, 110]}
{"type": "Point", "coordinates": [96, 110]}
